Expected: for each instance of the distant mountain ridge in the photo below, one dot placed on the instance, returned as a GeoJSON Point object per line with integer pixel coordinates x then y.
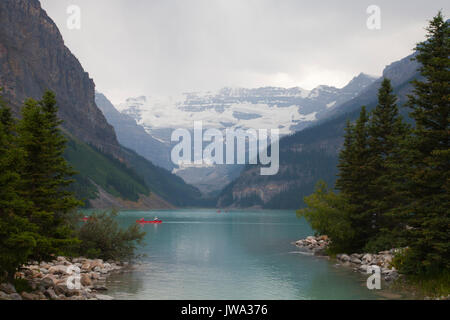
{"type": "Point", "coordinates": [286, 109]}
{"type": "Point", "coordinates": [312, 154]}
{"type": "Point", "coordinates": [289, 109]}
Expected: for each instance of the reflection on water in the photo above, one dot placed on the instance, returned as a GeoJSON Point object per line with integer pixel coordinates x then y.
{"type": "Point", "coordinates": [202, 254]}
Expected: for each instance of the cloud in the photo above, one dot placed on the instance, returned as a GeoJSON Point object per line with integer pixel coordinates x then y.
{"type": "Point", "coordinates": [165, 47]}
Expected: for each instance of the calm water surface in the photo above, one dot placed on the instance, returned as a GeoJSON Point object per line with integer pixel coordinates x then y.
{"type": "Point", "coordinates": [203, 254]}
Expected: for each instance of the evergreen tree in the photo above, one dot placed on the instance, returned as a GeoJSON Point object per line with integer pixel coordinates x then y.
{"type": "Point", "coordinates": [353, 181]}
{"type": "Point", "coordinates": [17, 234]}
{"type": "Point", "coordinates": [387, 132]}
{"type": "Point", "coordinates": [429, 236]}
{"type": "Point", "coordinates": [344, 183]}
{"type": "Point", "coordinates": [61, 201]}
{"type": "Point", "coordinates": [45, 176]}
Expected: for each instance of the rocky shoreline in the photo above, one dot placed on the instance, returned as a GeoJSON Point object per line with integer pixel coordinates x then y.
{"type": "Point", "coordinates": [359, 262]}
{"type": "Point", "coordinates": [64, 279]}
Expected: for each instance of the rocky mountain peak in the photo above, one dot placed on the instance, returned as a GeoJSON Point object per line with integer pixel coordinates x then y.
{"type": "Point", "coordinates": [33, 58]}
{"type": "Point", "coordinates": [358, 83]}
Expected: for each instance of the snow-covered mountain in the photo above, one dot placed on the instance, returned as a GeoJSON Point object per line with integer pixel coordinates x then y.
{"type": "Point", "coordinates": [288, 109]}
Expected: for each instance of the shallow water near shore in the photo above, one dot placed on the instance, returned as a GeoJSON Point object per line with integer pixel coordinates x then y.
{"type": "Point", "coordinates": [204, 254]}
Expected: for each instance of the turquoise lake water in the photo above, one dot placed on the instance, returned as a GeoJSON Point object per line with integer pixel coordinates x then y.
{"type": "Point", "coordinates": [202, 254]}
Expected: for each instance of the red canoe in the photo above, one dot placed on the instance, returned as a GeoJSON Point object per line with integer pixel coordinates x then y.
{"type": "Point", "coordinates": [148, 222]}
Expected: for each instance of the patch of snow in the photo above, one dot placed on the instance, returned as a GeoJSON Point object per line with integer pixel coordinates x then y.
{"type": "Point", "coordinates": [331, 104]}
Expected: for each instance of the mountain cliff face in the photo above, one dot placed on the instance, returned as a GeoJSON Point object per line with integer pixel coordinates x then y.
{"type": "Point", "coordinates": [134, 136]}
{"type": "Point", "coordinates": [312, 154]}
{"type": "Point", "coordinates": [399, 72]}
{"type": "Point", "coordinates": [33, 58]}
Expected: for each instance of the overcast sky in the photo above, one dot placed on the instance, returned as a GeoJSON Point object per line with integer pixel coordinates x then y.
{"type": "Point", "coordinates": [165, 47]}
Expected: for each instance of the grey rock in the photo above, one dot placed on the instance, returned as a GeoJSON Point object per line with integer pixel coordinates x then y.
{"type": "Point", "coordinates": [344, 258]}
{"type": "Point", "coordinates": [48, 282]}
{"type": "Point", "coordinates": [58, 269]}
{"type": "Point", "coordinates": [25, 25]}
{"type": "Point", "coordinates": [29, 296]}
{"type": "Point", "coordinates": [355, 260]}
{"type": "Point", "coordinates": [103, 297]}
{"type": "Point", "coordinates": [99, 288]}
{"type": "Point", "coordinates": [15, 296]}
{"type": "Point", "coordinates": [7, 288]}
{"type": "Point", "coordinates": [50, 293]}
{"type": "Point", "coordinates": [62, 289]}
{"type": "Point", "coordinates": [4, 296]}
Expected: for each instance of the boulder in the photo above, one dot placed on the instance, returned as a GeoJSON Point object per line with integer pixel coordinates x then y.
{"type": "Point", "coordinates": [95, 275]}
{"type": "Point", "coordinates": [58, 269]}
{"type": "Point", "coordinates": [29, 296]}
{"type": "Point", "coordinates": [62, 289]}
{"type": "Point", "coordinates": [103, 297]}
{"type": "Point", "coordinates": [86, 280]}
{"type": "Point", "coordinates": [385, 271]}
{"type": "Point", "coordinates": [50, 293]}
{"type": "Point", "coordinates": [367, 257]}
{"type": "Point", "coordinates": [77, 298]}
{"type": "Point", "coordinates": [99, 288]}
{"type": "Point", "coordinates": [388, 258]}
{"type": "Point", "coordinates": [391, 276]}
{"type": "Point", "coordinates": [74, 292]}
{"type": "Point", "coordinates": [15, 296]}
{"type": "Point", "coordinates": [7, 288]}
{"type": "Point", "coordinates": [98, 263]}
{"type": "Point", "coordinates": [48, 281]}
{"type": "Point", "coordinates": [86, 266]}
{"type": "Point", "coordinates": [344, 257]}
{"type": "Point", "coordinates": [4, 296]}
